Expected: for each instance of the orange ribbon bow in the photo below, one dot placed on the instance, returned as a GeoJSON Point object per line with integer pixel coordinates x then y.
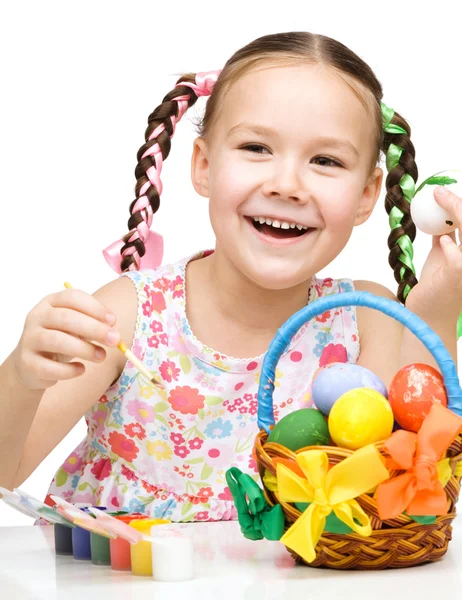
{"type": "Point", "coordinates": [419, 491]}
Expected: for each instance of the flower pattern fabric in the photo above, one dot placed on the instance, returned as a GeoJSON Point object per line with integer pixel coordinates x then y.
{"type": "Point", "coordinates": [165, 452]}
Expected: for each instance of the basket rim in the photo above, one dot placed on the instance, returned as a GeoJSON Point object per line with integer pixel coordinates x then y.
{"type": "Point", "coordinates": [415, 324]}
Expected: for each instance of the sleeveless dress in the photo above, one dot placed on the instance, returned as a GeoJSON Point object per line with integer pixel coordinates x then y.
{"type": "Point", "coordinates": [165, 452]}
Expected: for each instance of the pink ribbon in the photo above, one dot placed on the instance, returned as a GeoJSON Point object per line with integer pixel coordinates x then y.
{"type": "Point", "coordinates": [205, 82]}
{"type": "Point", "coordinates": [153, 242]}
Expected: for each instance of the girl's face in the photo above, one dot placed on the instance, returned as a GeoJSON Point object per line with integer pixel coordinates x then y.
{"type": "Point", "coordinates": [287, 171]}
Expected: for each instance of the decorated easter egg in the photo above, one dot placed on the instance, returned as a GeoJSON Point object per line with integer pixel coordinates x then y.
{"type": "Point", "coordinates": [303, 427]}
{"type": "Point", "coordinates": [360, 417]}
{"type": "Point", "coordinates": [429, 216]}
{"type": "Point", "coordinates": [413, 391]}
{"type": "Point", "coordinates": [332, 381]}
{"type": "Point", "coordinates": [426, 213]}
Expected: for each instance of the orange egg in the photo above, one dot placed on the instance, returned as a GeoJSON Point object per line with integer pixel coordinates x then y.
{"type": "Point", "coordinates": [413, 391]}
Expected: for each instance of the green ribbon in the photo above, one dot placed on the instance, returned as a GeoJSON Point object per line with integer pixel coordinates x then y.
{"type": "Point", "coordinates": [407, 185]}
{"type": "Point", "coordinates": [387, 116]}
{"type": "Point", "coordinates": [256, 517]}
{"type": "Point", "coordinates": [394, 153]}
{"type": "Point", "coordinates": [425, 520]}
{"type": "Point", "coordinates": [333, 523]}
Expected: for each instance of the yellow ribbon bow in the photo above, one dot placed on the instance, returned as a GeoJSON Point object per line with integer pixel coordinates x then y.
{"type": "Point", "coordinates": [326, 491]}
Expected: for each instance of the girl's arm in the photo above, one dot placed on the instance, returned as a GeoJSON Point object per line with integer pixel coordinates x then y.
{"type": "Point", "coordinates": [34, 421]}
{"type": "Point", "coordinates": [386, 345]}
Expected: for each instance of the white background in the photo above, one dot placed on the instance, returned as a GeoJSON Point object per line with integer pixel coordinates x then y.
{"type": "Point", "coordinates": [78, 81]}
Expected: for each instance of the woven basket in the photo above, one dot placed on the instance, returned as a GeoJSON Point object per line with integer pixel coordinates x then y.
{"type": "Point", "coordinates": [400, 542]}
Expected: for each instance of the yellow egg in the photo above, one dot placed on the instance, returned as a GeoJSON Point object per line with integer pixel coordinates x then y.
{"type": "Point", "coordinates": [360, 417]}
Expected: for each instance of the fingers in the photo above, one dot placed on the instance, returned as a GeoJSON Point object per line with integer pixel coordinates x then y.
{"type": "Point", "coordinates": [47, 372]}
{"type": "Point", "coordinates": [84, 303]}
{"type": "Point", "coordinates": [78, 314]}
{"type": "Point", "coordinates": [452, 255]}
{"type": "Point", "coordinates": [67, 346]}
{"type": "Point", "coordinates": [81, 325]}
{"type": "Point", "coordinates": [64, 328]}
{"type": "Point", "coordinates": [436, 241]}
{"type": "Point", "coordinates": [450, 202]}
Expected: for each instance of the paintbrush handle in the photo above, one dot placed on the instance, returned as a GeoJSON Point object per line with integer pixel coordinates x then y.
{"type": "Point", "coordinates": [138, 364]}
{"type": "Point", "coordinates": [128, 354]}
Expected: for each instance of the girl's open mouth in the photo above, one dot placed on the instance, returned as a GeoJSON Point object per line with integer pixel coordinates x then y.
{"type": "Point", "coordinates": [278, 229]}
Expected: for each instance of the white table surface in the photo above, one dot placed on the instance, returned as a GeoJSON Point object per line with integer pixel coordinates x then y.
{"type": "Point", "coordinates": [227, 566]}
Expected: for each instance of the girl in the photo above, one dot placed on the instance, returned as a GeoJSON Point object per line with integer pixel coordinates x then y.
{"type": "Point", "coordinates": [287, 154]}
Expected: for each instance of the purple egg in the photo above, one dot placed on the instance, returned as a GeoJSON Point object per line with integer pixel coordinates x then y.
{"type": "Point", "coordinates": [336, 379]}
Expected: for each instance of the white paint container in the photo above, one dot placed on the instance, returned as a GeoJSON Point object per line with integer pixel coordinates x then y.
{"type": "Point", "coordinates": [172, 555]}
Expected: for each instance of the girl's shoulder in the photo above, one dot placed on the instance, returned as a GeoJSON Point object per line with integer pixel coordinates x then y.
{"type": "Point", "coordinates": [163, 279]}
{"type": "Point", "coordinates": [160, 301]}
{"type": "Point", "coordinates": [325, 286]}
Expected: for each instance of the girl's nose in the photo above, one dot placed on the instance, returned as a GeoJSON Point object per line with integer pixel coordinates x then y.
{"type": "Point", "coordinates": [285, 182]}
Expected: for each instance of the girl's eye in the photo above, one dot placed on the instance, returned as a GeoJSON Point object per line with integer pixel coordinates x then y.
{"type": "Point", "coordinates": [325, 161]}
{"type": "Point", "coordinates": [255, 148]}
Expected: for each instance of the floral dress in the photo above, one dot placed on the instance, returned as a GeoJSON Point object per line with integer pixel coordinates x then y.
{"type": "Point", "coordinates": [164, 452]}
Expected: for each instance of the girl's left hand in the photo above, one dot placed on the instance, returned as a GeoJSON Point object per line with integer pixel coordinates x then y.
{"type": "Point", "coordinates": [439, 291]}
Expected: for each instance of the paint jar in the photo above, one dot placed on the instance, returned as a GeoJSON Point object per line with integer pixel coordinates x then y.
{"type": "Point", "coordinates": [63, 539]}
{"type": "Point", "coordinates": [120, 548]}
{"type": "Point", "coordinates": [81, 545]}
{"type": "Point", "coordinates": [99, 547]}
{"type": "Point", "coordinates": [81, 549]}
{"type": "Point", "coordinates": [140, 553]}
{"type": "Point", "coordinates": [172, 555]}
{"type": "Point", "coordinates": [99, 544]}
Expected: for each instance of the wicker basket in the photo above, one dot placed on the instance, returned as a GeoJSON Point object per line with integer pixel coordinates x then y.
{"type": "Point", "coordinates": [400, 542]}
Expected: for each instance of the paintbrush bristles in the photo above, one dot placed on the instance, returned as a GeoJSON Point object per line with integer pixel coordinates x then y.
{"type": "Point", "coordinates": [139, 365]}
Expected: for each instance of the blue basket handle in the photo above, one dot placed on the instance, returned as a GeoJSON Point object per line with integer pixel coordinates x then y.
{"type": "Point", "coordinates": [284, 335]}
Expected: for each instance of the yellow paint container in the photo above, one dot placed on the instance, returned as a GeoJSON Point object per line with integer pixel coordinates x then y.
{"type": "Point", "coordinates": [141, 553]}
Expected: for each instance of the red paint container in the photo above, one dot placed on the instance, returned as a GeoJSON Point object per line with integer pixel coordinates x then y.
{"type": "Point", "coordinates": [120, 548]}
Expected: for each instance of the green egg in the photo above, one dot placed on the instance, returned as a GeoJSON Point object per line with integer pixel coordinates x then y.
{"type": "Point", "coordinates": [304, 427]}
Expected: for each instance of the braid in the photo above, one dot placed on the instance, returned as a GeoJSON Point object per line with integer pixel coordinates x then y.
{"type": "Point", "coordinates": [127, 253]}
{"type": "Point", "coordinates": [400, 185]}
{"type": "Point", "coordinates": [161, 127]}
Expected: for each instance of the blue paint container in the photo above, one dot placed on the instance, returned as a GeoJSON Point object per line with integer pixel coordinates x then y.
{"type": "Point", "coordinates": [81, 545]}
{"type": "Point", "coordinates": [63, 539]}
{"type": "Point", "coordinates": [81, 549]}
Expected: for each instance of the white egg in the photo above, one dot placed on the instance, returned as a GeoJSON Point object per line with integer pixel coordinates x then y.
{"type": "Point", "coordinates": [428, 215]}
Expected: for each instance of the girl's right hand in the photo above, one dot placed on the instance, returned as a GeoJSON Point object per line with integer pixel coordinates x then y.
{"type": "Point", "coordinates": [66, 325]}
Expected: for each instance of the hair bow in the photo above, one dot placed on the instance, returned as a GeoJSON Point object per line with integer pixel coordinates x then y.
{"type": "Point", "coordinates": [205, 82]}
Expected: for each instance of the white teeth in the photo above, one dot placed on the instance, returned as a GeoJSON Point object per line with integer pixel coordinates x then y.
{"type": "Point", "coordinates": [279, 224]}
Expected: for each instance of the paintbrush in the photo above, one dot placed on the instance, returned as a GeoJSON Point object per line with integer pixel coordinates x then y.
{"type": "Point", "coordinates": [129, 355]}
